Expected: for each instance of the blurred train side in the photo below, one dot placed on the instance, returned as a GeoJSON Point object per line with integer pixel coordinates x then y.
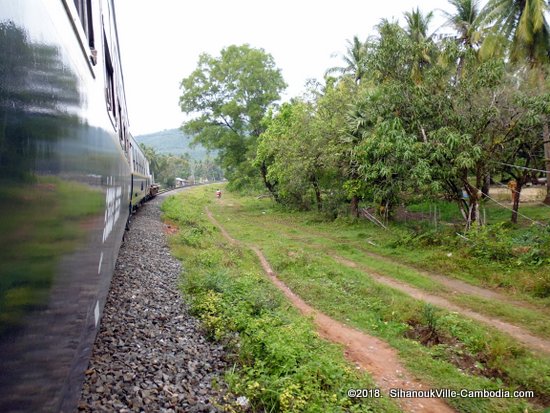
{"type": "Point", "coordinates": [142, 186]}
{"type": "Point", "coordinates": [70, 173]}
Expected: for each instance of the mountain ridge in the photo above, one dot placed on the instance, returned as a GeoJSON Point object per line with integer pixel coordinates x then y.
{"type": "Point", "coordinates": [174, 142]}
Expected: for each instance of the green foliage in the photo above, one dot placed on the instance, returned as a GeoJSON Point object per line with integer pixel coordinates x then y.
{"type": "Point", "coordinates": [498, 242]}
{"type": "Point", "coordinates": [429, 314]}
{"type": "Point", "coordinates": [354, 60]}
{"type": "Point", "coordinates": [523, 24]}
{"type": "Point", "coordinates": [302, 152]}
{"type": "Point", "coordinates": [387, 158]}
{"type": "Point", "coordinates": [291, 168]}
{"type": "Point", "coordinates": [166, 168]}
{"type": "Point", "coordinates": [490, 242]}
{"type": "Point", "coordinates": [231, 94]}
{"type": "Point", "coordinates": [280, 362]}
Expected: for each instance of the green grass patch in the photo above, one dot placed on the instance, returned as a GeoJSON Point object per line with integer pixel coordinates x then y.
{"type": "Point", "coordinates": [472, 356]}
{"type": "Point", "coordinates": [254, 224]}
{"type": "Point", "coordinates": [282, 365]}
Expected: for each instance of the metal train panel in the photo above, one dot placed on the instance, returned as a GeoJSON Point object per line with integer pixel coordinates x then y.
{"type": "Point", "coordinates": [140, 189]}
{"type": "Point", "coordinates": [64, 193]}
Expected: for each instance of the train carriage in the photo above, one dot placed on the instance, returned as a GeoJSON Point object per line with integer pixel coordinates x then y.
{"type": "Point", "coordinates": [141, 177]}
{"type": "Point", "coordinates": [66, 192]}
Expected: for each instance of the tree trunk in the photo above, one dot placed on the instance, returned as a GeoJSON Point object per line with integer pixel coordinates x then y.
{"type": "Point", "coordinates": [485, 187]}
{"type": "Point", "coordinates": [483, 179]}
{"type": "Point", "coordinates": [473, 204]}
{"type": "Point", "coordinates": [546, 143]}
{"type": "Point", "coordinates": [473, 212]}
{"type": "Point", "coordinates": [516, 193]}
{"type": "Point", "coordinates": [317, 193]}
{"type": "Point", "coordinates": [354, 206]}
{"type": "Point", "coordinates": [463, 208]}
{"type": "Point", "coordinates": [270, 187]}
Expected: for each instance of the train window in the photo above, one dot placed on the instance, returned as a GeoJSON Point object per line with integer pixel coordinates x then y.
{"type": "Point", "coordinates": [84, 9]}
{"type": "Point", "coordinates": [109, 82]}
{"type": "Point", "coordinates": [121, 128]}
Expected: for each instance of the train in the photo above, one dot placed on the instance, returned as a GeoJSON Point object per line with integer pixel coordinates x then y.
{"type": "Point", "coordinates": [70, 176]}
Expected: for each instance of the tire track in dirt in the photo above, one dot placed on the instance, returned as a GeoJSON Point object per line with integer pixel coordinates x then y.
{"type": "Point", "coordinates": [456, 285]}
{"type": "Point", "coordinates": [528, 339]}
{"type": "Point", "coordinates": [520, 334]}
{"type": "Point", "coordinates": [368, 352]}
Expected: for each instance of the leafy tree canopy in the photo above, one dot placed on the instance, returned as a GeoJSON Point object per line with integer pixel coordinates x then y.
{"type": "Point", "coordinates": [230, 95]}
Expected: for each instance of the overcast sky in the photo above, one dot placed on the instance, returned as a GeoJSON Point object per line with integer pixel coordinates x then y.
{"type": "Point", "coordinates": [161, 40]}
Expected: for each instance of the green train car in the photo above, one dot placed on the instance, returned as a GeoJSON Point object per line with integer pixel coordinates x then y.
{"type": "Point", "coordinates": [70, 176]}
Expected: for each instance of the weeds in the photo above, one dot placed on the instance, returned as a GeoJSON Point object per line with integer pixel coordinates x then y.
{"type": "Point", "coordinates": [282, 365]}
{"type": "Point", "coordinates": [277, 352]}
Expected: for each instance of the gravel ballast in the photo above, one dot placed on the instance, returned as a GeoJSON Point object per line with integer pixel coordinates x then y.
{"type": "Point", "coordinates": [150, 355]}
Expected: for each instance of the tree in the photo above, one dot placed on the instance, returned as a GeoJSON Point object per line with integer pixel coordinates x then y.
{"type": "Point", "coordinates": [417, 25]}
{"type": "Point", "coordinates": [354, 59]}
{"type": "Point", "coordinates": [230, 95]}
{"type": "Point", "coordinates": [467, 23]}
{"type": "Point", "coordinates": [388, 158]}
{"type": "Point", "coordinates": [417, 30]}
{"type": "Point", "coordinates": [166, 168]}
{"type": "Point", "coordinates": [523, 24]}
{"type": "Point", "coordinates": [525, 111]}
{"type": "Point", "coordinates": [425, 133]}
{"type": "Point", "coordinates": [288, 151]}
{"type": "Point", "coordinates": [304, 149]}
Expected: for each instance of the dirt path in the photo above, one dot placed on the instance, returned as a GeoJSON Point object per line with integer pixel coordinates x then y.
{"type": "Point", "coordinates": [456, 286]}
{"type": "Point", "coordinates": [530, 340]}
{"type": "Point", "coordinates": [370, 353]}
{"type": "Point", "coordinates": [520, 334]}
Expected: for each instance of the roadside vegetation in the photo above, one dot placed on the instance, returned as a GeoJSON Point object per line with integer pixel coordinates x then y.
{"type": "Point", "coordinates": [411, 117]}
{"type": "Point", "coordinates": [280, 362]}
{"type": "Point", "coordinates": [443, 348]}
{"type": "Point", "coordinates": [386, 171]}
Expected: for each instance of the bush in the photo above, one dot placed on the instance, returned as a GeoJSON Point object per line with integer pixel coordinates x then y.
{"type": "Point", "coordinates": [425, 236]}
{"type": "Point", "coordinates": [490, 242]}
{"type": "Point", "coordinates": [498, 242]}
{"type": "Point", "coordinates": [532, 247]}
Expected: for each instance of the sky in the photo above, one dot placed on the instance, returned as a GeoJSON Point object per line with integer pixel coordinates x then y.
{"type": "Point", "coordinates": [161, 40]}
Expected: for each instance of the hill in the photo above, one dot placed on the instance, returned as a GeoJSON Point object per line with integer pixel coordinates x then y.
{"type": "Point", "coordinates": [175, 142]}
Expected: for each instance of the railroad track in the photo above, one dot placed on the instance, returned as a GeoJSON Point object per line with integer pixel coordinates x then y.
{"type": "Point", "coordinates": [150, 354]}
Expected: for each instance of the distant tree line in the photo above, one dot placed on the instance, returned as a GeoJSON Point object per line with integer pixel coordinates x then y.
{"type": "Point", "coordinates": [410, 114]}
{"type": "Point", "coordinates": [166, 168]}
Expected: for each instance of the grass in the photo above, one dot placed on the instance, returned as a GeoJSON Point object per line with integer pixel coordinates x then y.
{"type": "Point", "coordinates": [281, 363]}
{"type": "Point", "coordinates": [419, 246]}
{"type": "Point", "coordinates": [349, 296]}
{"type": "Point", "coordinates": [535, 318]}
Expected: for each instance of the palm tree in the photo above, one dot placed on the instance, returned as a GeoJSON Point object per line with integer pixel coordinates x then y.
{"type": "Point", "coordinates": [354, 59]}
{"type": "Point", "coordinates": [466, 21]}
{"type": "Point", "coordinates": [417, 30]}
{"type": "Point", "coordinates": [417, 25]}
{"type": "Point", "coordinates": [523, 24]}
